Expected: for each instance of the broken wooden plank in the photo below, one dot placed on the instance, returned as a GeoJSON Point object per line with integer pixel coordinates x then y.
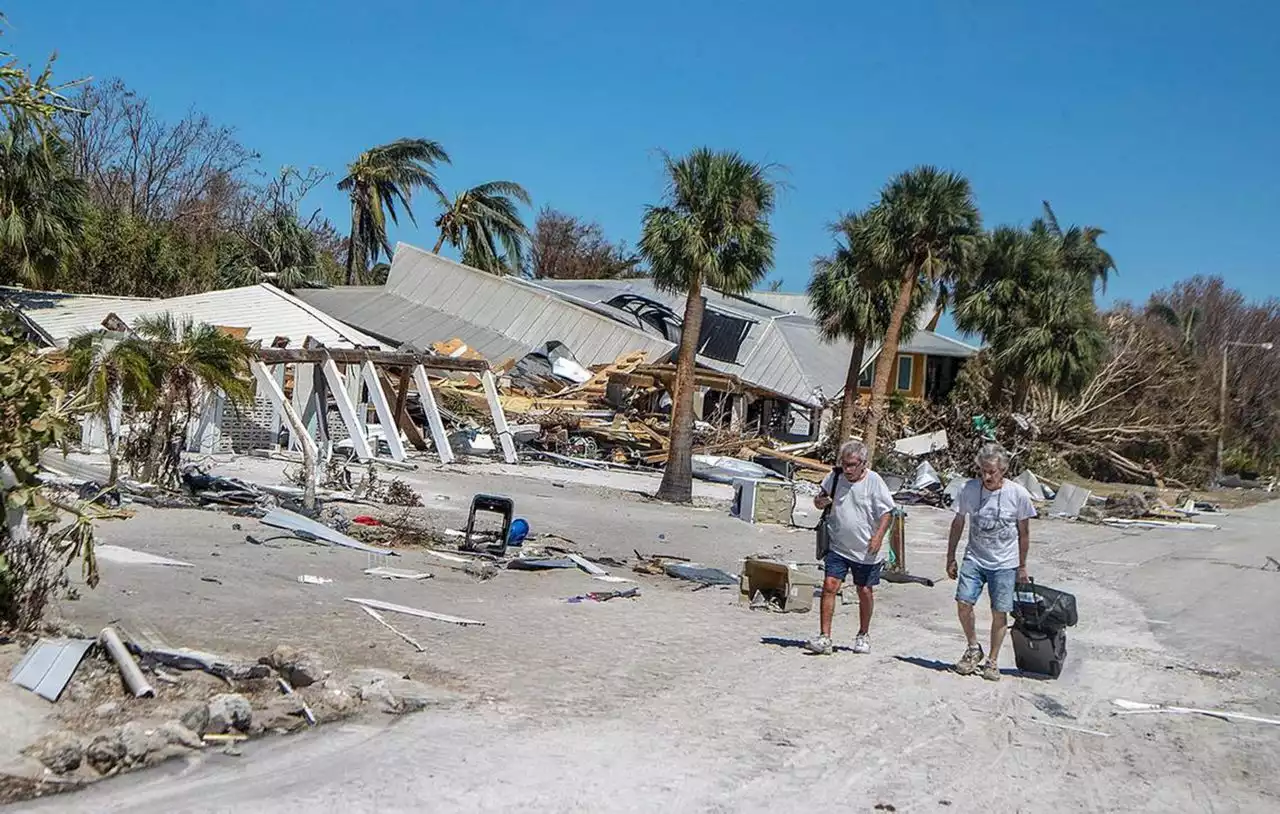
{"type": "Point", "coordinates": [380, 619]}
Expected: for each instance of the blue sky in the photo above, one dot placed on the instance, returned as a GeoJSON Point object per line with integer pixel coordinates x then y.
{"type": "Point", "coordinates": [1154, 120]}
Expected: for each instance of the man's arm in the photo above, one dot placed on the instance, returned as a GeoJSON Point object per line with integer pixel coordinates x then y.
{"type": "Point", "coordinates": [1024, 545]}
{"type": "Point", "coordinates": [882, 528]}
{"type": "Point", "coordinates": [953, 541]}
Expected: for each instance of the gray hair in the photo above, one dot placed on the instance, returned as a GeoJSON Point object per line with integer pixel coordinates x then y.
{"type": "Point", "coordinates": [852, 448]}
{"type": "Point", "coordinates": [990, 453]}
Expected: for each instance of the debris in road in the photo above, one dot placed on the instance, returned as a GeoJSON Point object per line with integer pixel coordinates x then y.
{"type": "Point", "coordinates": [902, 578]}
{"type": "Point", "coordinates": [1069, 500]}
{"type": "Point", "coordinates": [1161, 524]}
{"type": "Point", "coordinates": [366, 520]}
{"type": "Point", "coordinates": [306, 529]}
{"type": "Point", "coordinates": [182, 658]}
{"type": "Point", "coordinates": [917, 445]}
{"type": "Point", "coordinates": [312, 579]}
{"type": "Point", "coordinates": [587, 565]}
{"type": "Point", "coordinates": [129, 669]}
{"type": "Point", "coordinates": [301, 668]}
{"type": "Point", "coordinates": [378, 604]}
{"type": "Point", "coordinates": [1130, 707]}
{"type": "Point", "coordinates": [287, 689]}
{"type": "Point", "coordinates": [229, 712]}
{"type": "Point", "coordinates": [216, 489]}
{"type": "Point", "coordinates": [604, 596]}
{"type": "Point", "coordinates": [397, 573]}
{"type": "Point", "coordinates": [127, 556]}
{"type": "Point", "coordinates": [777, 585]}
{"type": "Point", "coordinates": [500, 505]}
{"type": "Point", "coordinates": [380, 619]}
{"type": "Point", "coordinates": [694, 572]}
{"type": "Point", "coordinates": [48, 666]}
{"type": "Point", "coordinates": [60, 752]}
{"type": "Point", "coordinates": [1028, 480]}
{"type": "Point", "coordinates": [214, 580]}
{"type": "Point", "coordinates": [1272, 564]}
{"type": "Point", "coordinates": [539, 564]}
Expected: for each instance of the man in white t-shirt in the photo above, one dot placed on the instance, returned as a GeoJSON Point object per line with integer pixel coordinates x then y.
{"type": "Point", "coordinates": [861, 506]}
{"type": "Point", "coordinates": [998, 512]}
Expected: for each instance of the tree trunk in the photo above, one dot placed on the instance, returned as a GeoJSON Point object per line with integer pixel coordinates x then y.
{"type": "Point", "coordinates": [439, 243]}
{"type": "Point", "coordinates": [885, 367]}
{"type": "Point", "coordinates": [996, 393]}
{"type": "Point", "coordinates": [160, 438]}
{"type": "Point", "coordinates": [851, 389]}
{"type": "Point", "coordinates": [677, 478]}
{"type": "Point", "coordinates": [351, 243]}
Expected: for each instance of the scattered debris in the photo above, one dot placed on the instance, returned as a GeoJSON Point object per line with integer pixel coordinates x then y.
{"type": "Point", "coordinates": [397, 573]}
{"type": "Point", "coordinates": [129, 669]}
{"type": "Point", "coordinates": [312, 579]}
{"type": "Point", "coordinates": [301, 668]}
{"type": "Point", "coordinates": [48, 666]}
{"type": "Point", "coordinates": [539, 564]}
{"type": "Point", "coordinates": [1028, 480]}
{"type": "Point", "coordinates": [1081, 729]}
{"type": "Point", "coordinates": [694, 572]}
{"type": "Point", "coordinates": [1162, 524]}
{"type": "Point", "coordinates": [377, 604]}
{"type": "Point", "coordinates": [605, 596]}
{"type": "Point", "coordinates": [227, 713]}
{"type": "Point", "coordinates": [1069, 500]}
{"type": "Point", "coordinates": [380, 619]}
{"type": "Point", "coordinates": [300, 526]}
{"type": "Point", "coordinates": [770, 584]}
{"type": "Point", "coordinates": [917, 445]}
{"type": "Point", "coordinates": [127, 556]}
{"type": "Point", "coordinates": [1272, 564]}
{"type": "Point", "coordinates": [1129, 707]}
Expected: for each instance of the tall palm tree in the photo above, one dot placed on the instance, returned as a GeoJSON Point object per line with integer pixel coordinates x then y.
{"type": "Point", "coordinates": [1078, 249]}
{"type": "Point", "coordinates": [377, 181]}
{"type": "Point", "coordinates": [276, 248]}
{"type": "Point", "coordinates": [105, 367]}
{"type": "Point", "coordinates": [713, 230]}
{"type": "Point", "coordinates": [927, 229]}
{"type": "Point", "coordinates": [481, 221]}
{"type": "Point", "coordinates": [186, 358]}
{"type": "Point", "coordinates": [42, 204]}
{"type": "Point", "coordinates": [850, 296]}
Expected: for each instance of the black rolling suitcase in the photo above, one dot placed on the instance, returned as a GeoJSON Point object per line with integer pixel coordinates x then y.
{"type": "Point", "coordinates": [1040, 619]}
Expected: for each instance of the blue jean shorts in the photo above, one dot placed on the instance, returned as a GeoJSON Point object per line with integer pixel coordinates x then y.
{"type": "Point", "coordinates": [999, 584]}
{"type": "Point", "coordinates": [865, 575]}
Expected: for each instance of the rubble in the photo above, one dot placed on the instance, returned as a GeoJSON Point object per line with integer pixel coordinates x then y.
{"type": "Point", "coordinates": [301, 668]}
{"type": "Point", "coordinates": [227, 712]}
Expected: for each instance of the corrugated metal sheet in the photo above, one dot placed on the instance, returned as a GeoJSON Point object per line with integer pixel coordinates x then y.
{"type": "Point", "coordinates": [265, 310]}
{"type": "Point", "coordinates": [490, 306]}
{"type": "Point", "coordinates": [48, 666]}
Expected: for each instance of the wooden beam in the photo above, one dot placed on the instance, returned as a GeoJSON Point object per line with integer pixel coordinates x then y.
{"type": "Point", "coordinates": [347, 409]}
{"type": "Point", "coordinates": [434, 421]}
{"type": "Point", "coordinates": [411, 430]}
{"type": "Point", "coordinates": [345, 356]}
{"type": "Point", "coordinates": [386, 415]}
{"type": "Point", "coordinates": [499, 417]}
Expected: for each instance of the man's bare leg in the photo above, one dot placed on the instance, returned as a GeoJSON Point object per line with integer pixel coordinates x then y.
{"type": "Point", "coordinates": [830, 587]}
{"type": "Point", "coordinates": [965, 611]}
{"type": "Point", "coordinates": [999, 623]}
{"type": "Point", "coordinates": [866, 604]}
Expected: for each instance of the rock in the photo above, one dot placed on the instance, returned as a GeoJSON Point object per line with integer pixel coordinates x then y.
{"type": "Point", "coordinates": [138, 741]}
{"type": "Point", "coordinates": [196, 719]}
{"type": "Point", "coordinates": [73, 632]}
{"type": "Point", "coordinates": [359, 679]}
{"type": "Point", "coordinates": [282, 714]}
{"type": "Point", "coordinates": [106, 752]}
{"type": "Point", "coordinates": [301, 668]}
{"type": "Point", "coordinates": [175, 733]}
{"type": "Point", "coordinates": [404, 695]}
{"type": "Point", "coordinates": [1091, 514]}
{"type": "Point", "coordinates": [106, 710]}
{"type": "Point", "coordinates": [331, 703]}
{"type": "Point", "coordinates": [60, 752]}
{"type": "Point", "coordinates": [227, 712]}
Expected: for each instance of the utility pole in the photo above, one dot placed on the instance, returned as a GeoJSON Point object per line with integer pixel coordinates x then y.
{"type": "Point", "coordinates": [1222, 396]}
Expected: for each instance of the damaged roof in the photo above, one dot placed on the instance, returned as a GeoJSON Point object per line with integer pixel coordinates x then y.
{"type": "Point", "coordinates": [428, 298]}
{"type": "Point", "coordinates": [266, 311]}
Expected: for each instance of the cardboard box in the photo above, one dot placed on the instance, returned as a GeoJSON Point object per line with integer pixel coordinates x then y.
{"type": "Point", "coordinates": [790, 585]}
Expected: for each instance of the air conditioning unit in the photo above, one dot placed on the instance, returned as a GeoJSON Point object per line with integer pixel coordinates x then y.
{"type": "Point", "coordinates": [762, 501]}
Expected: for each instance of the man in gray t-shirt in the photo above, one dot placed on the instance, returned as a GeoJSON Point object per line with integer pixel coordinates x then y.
{"type": "Point", "coordinates": [857, 508]}
{"type": "Point", "coordinates": [998, 512]}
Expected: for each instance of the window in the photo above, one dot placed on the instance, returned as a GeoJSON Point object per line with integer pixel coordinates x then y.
{"type": "Point", "coordinates": [868, 375]}
{"type": "Point", "coordinates": [905, 369]}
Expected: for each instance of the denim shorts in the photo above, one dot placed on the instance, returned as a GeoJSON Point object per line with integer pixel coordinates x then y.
{"type": "Point", "coordinates": [865, 575]}
{"type": "Point", "coordinates": [999, 584]}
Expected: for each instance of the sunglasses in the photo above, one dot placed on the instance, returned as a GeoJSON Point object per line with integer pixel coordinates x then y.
{"type": "Point", "coordinates": [852, 464]}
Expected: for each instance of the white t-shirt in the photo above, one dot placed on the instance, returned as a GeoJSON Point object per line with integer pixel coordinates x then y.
{"type": "Point", "coordinates": [855, 512]}
{"type": "Point", "coordinates": [993, 522]}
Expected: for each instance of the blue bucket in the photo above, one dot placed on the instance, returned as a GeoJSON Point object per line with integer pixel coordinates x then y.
{"type": "Point", "coordinates": [519, 531]}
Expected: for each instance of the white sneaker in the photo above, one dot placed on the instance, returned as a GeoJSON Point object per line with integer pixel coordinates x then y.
{"type": "Point", "coordinates": [819, 645]}
{"type": "Point", "coordinates": [862, 643]}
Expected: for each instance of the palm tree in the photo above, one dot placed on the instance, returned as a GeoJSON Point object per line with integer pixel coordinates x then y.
{"type": "Point", "coordinates": [850, 297]}
{"type": "Point", "coordinates": [927, 230]}
{"type": "Point", "coordinates": [481, 220]}
{"type": "Point", "coordinates": [105, 368]}
{"type": "Point", "coordinates": [41, 204]}
{"type": "Point", "coordinates": [712, 231]}
{"type": "Point", "coordinates": [275, 248]}
{"type": "Point", "coordinates": [376, 181]}
{"type": "Point", "coordinates": [186, 359]}
{"type": "Point", "coordinates": [1078, 249]}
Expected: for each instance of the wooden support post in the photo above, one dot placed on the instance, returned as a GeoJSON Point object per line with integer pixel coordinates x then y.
{"type": "Point", "coordinates": [386, 415]}
{"type": "Point", "coordinates": [402, 394]}
{"type": "Point", "coordinates": [499, 417]}
{"type": "Point", "coordinates": [434, 422]}
{"type": "Point", "coordinates": [279, 372]}
{"type": "Point", "coordinates": [346, 409]}
{"type": "Point", "coordinates": [411, 430]}
{"type": "Point", "coordinates": [310, 451]}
